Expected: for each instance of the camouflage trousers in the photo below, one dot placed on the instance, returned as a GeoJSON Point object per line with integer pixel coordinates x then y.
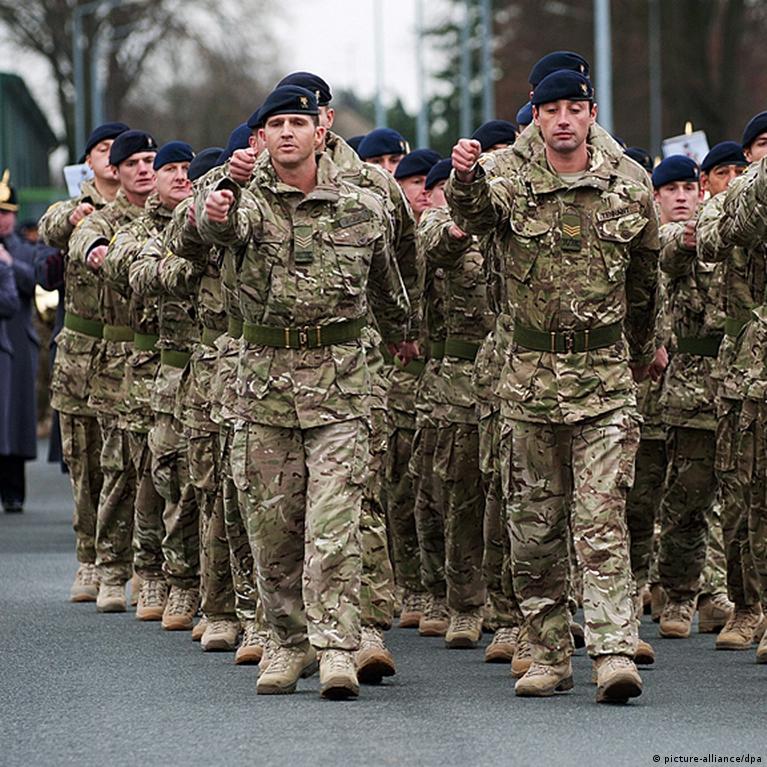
{"type": "Point", "coordinates": [400, 510]}
{"type": "Point", "coordinates": [428, 512]}
{"type": "Point", "coordinates": [377, 583]}
{"type": "Point", "coordinates": [148, 527]}
{"type": "Point", "coordinates": [81, 448]}
{"type": "Point", "coordinates": [302, 491]}
{"type": "Point", "coordinates": [170, 472]}
{"type": "Point", "coordinates": [685, 511]}
{"type": "Point", "coordinates": [456, 464]}
{"type": "Point", "coordinates": [734, 471]}
{"type": "Point", "coordinates": [114, 524]}
{"type": "Point", "coordinates": [494, 453]}
{"type": "Point", "coordinates": [643, 506]}
{"type": "Point", "coordinates": [247, 604]}
{"type": "Point", "coordinates": [596, 459]}
{"type": "Point", "coordinates": [216, 587]}
{"type": "Point", "coordinates": [754, 421]}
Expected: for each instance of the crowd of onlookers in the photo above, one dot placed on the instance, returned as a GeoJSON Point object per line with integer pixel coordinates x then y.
{"type": "Point", "coordinates": [24, 263]}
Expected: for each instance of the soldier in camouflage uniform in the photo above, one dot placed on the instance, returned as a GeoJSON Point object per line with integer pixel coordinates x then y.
{"type": "Point", "coordinates": [578, 247]}
{"type": "Point", "coordinates": [178, 332]}
{"type": "Point", "coordinates": [688, 400]}
{"type": "Point", "coordinates": [735, 230]}
{"type": "Point", "coordinates": [136, 415]}
{"type": "Point", "coordinates": [307, 241]}
{"type": "Point", "coordinates": [456, 456]}
{"type": "Point", "coordinates": [133, 154]}
{"type": "Point", "coordinates": [78, 344]}
{"type": "Point", "coordinates": [222, 626]}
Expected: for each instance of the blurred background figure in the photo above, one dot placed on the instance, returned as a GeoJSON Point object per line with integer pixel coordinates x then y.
{"type": "Point", "coordinates": [18, 433]}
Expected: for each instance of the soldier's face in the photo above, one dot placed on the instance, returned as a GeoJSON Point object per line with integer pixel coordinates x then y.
{"type": "Point", "coordinates": [437, 195]}
{"type": "Point", "coordinates": [565, 124]}
{"type": "Point", "coordinates": [678, 200]}
{"type": "Point", "coordinates": [173, 184]}
{"type": "Point", "coordinates": [292, 139]}
{"type": "Point", "coordinates": [137, 175]}
{"type": "Point", "coordinates": [386, 161]}
{"type": "Point", "coordinates": [98, 160]}
{"type": "Point", "coordinates": [7, 222]}
{"type": "Point", "coordinates": [718, 179]}
{"type": "Point", "coordinates": [757, 149]}
{"type": "Point", "coordinates": [415, 191]}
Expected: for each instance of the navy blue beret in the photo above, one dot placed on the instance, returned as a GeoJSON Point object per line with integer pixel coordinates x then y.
{"type": "Point", "coordinates": [128, 143]}
{"type": "Point", "coordinates": [562, 84]}
{"type": "Point", "coordinates": [552, 62]}
{"type": "Point", "coordinates": [311, 82]}
{"type": "Point", "coordinates": [642, 156]}
{"type": "Point", "coordinates": [756, 126]}
{"type": "Point", "coordinates": [355, 141]}
{"type": "Point", "coordinates": [204, 161]}
{"type": "Point", "coordinates": [439, 172]}
{"type": "Point", "coordinates": [678, 167]}
{"type": "Point", "coordinates": [525, 114]}
{"type": "Point", "coordinates": [382, 141]}
{"type": "Point", "coordinates": [255, 121]}
{"type": "Point", "coordinates": [239, 138]}
{"type": "Point", "coordinates": [495, 132]}
{"type": "Point", "coordinates": [288, 100]}
{"type": "Point", "coordinates": [418, 163]}
{"type": "Point", "coordinates": [103, 133]}
{"type": "Point", "coordinates": [173, 151]}
{"type": "Point", "coordinates": [724, 153]}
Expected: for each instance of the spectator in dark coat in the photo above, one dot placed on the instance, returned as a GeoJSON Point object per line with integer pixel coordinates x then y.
{"type": "Point", "coordinates": [18, 424]}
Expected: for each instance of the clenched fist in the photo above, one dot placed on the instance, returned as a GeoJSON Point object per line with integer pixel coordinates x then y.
{"type": "Point", "coordinates": [96, 257]}
{"type": "Point", "coordinates": [241, 165]}
{"type": "Point", "coordinates": [80, 212]}
{"type": "Point", "coordinates": [465, 155]}
{"type": "Point", "coordinates": [217, 205]}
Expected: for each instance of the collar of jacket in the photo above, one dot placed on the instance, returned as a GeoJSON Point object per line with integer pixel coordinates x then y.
{"type": "Point", "coordinates": [123, 205]}
{"type": "Point", "coordinates": [327, 189]}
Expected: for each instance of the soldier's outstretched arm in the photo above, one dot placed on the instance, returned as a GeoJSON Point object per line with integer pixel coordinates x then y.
{"type": "Point", "coordinates": [92, 232]}
{"type": "Point", "coordinates": [121, 253]}
{"type": "Point", "coordinates": [144, 274]}
{"type": "Point", "coordinates": [482, 205]}
{"type": "Point", "coordinates": [711, 246]}
{"type": "Point", "coordinates": [642, 291]}
{"type": "Point", "coordinates": [228, 215]}
{"type": "Point", "coordinates": [442, 241]}
{"type": "Point", "coordinates": [55, 227]}
{"type": "Point", "coordinates": [744, 221]}
{"type": "Point", "coordinates": [676, 257]}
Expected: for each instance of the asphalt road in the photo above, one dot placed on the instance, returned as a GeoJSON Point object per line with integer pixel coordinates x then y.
{"type": "Point", "coordinates": [79, 688]}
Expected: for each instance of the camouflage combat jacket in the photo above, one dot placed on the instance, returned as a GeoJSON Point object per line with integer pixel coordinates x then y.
{"type": "Point", "coordinates": [135, 412]}
{"type": "Point", "coordinates": [468, 319]}
{"type": "Point", "coordinates": [723, 231]}
{"type": "Point", "coordinates": [743, 223]}
{"type": "Point", "coordinates": [108, 388]}
{"type": "Point", "coordinates": [689, 392]}
{"type": "Point", "coordinates": [575, 257]}
{"type": "Point", "coordinates": [177, 321]}
{"type": "Point", "coordinates": [306, 261]}
{"type": "Point", "coordinates": [193, 401]}
{"type": "Point", "coordinates": [76, 352]}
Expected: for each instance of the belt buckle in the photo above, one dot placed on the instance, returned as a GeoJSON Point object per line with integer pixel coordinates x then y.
{"type": "Point", "coordinates": [303, 337]}
{"type": "Point", "coordinates": [568, 337]}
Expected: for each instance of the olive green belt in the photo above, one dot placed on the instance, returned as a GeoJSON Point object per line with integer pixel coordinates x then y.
{"type": "Point", "coordinates": [701, 346]}
{"type": "Point", "coordinates": [732, 327]}
{"type": "Point", "coordinates": [145, 342]}
{"type": "Point", "coordinates": [463, 350]}
{"type": "Point", "coordinates": [210, 335]}
{"type": "Point", "coordinates": [436, 350]}
{"type": "Point", "coordinates": [234, 327]}
{"type": "Point", "coordinates": [87, 327]}
{"type": "Point", "coordinates": [118, 333]}
{"type": "Point", "coordinates": [174, 358]}
{"type": "Point", "coordinates": [307, 337]}
{"type": "Point", "coordinates": [568, 341]}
